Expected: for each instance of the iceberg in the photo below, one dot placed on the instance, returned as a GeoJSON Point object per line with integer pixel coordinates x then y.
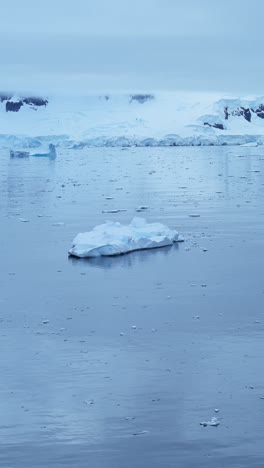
{"type": "Point", "coordinates": [250, 145]}
{"type": "Point", "coordinates": [114, 238]}
{"type": "Point", "coordinates": [19, 154]}
{"type": "Point", "coordinates": [48, 154]}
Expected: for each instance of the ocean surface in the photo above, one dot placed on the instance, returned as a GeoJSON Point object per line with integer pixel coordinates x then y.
{"type": "Point", "coordinates": [115, 362]}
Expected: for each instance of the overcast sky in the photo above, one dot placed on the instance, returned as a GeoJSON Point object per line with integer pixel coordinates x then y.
{"type": "Point", "coordinates": [91, 45]}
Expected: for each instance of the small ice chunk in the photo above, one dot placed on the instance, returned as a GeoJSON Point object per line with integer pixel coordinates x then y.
{"type": "Point", "coordinates": [142, 208]}
{"type": "Point", "coordinates": [140, 433]}
{"type": "Point", "coordinates": [114, 211]}
{"type": "Point", "coordinates": [113, 238]}
{"type": "Point", "coordinates": [194, 215]}
{"type": "Point", "coordinates": [213, 422]}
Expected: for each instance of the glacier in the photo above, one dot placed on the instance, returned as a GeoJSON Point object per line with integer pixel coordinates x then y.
{"type": "Point", "coordinates": [127, 120]}
{"type": "Point", "coordinates": [113, 238]}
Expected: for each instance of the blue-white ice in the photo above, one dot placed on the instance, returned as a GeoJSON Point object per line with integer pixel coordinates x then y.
{"type": "Point", "coordinates": [48, 153]}
{"type": "Point", "coordinates": [113, 238]}
{"type": "Point", "coordinates": [167, 119]}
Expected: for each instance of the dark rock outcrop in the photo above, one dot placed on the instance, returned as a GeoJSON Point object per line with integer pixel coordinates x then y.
{"type": "Point", "coordinates": [35, 101]}
{"type": "Point", "coordinates": [259, 111]}
{"type": "Point", "coordinates": [141, 98]}
{"type": "Point", "coordinates": [219, 126]}
{"type": "Point", "coordinates": [14, 105]}
{"type": "Point", "coordinates": [245, 112]}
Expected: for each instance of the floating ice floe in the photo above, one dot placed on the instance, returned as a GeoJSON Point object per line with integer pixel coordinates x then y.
{"type": "Point", "coordinates": [212, 422]}
{"type": "Point", "coordinates": [142, 208]}
{"type": "Point", "coordinates": [51, 153]}
{"type": "Point", "coordinates": [250, 145]}
{"type": "Point", "coordinates": [19, 154]}
{"type": "Point", "coordinates": [114, 211]}
{"type": "Point", "coordinates": [113, 238]}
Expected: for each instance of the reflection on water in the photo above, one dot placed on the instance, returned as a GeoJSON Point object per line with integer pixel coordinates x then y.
{"type": "Point", "coordinates": [113, 362]}
{"type": "Point", "coordinates": [29, 182]}
{"type": "Point", "coordinates": [127, 260]}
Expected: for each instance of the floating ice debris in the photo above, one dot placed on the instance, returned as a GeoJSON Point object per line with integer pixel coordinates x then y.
{"type": "Point", "coordinates": [194, 215]}
{"type": "Point", "coordinates": [140, 433]}
{"type": "Point", "coordinates": [142, 208]}
{"type": "Point", "coordinates": [113, 238]}
{"type": "Point", "coordinates": [113, 211]}
{"type": "Point", "coordinates": [217, 410]}
{"type": "Point", "coordinates": [19, 154]}
{"type": "Point", "coordinates": [23, 220]}
{"type": "Point", "coordinates": [213, 422]}
{"type": "Point", "coordinates": [134, 327]}
{"type": "Point", "coordinates": [45, 322]}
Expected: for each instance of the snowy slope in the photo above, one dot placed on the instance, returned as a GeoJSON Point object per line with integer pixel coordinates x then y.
{"type": "Point", "coordinates": [131, 119]}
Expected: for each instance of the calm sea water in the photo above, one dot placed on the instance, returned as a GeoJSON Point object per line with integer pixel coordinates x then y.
{"type": "Point", "coordinates": [80, 385]}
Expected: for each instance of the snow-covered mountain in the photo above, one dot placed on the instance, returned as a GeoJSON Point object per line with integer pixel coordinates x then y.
{"type": "Point", "coordinates": [130, 119]}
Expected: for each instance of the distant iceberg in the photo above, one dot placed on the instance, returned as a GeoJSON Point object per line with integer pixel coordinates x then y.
{"type": "Point", "coordinates": [113, 238]}
{"type": "Point", "coordinates": [19, 154]}
{"type": "Point", "coordinates": [51, 153]}
{"type": "Point", "coordinates": [46, 153]}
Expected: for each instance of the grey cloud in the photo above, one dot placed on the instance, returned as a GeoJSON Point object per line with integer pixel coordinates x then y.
{"type": "Point", "coordinates": [147, 44]}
